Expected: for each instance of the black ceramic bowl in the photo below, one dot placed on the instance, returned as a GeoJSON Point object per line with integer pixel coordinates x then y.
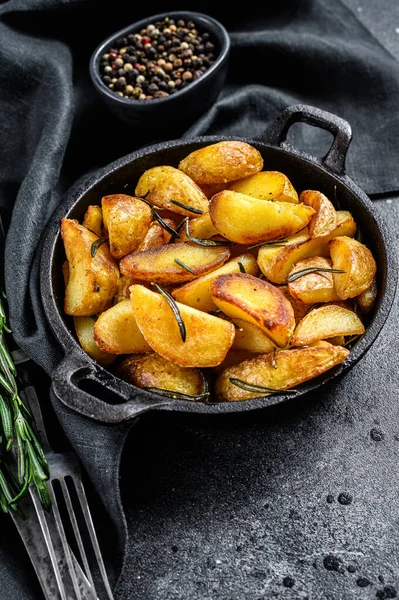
{"type": "Point", "coordinates": [83, 385]}
{"type": "Point", "coordinates": [180, 109]}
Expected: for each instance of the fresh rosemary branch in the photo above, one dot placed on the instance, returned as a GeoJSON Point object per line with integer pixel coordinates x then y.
{"type": "Point", "coordinates": [16, 434]}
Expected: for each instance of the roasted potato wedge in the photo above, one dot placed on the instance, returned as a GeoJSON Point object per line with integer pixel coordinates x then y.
{"type": "Point", "coordinates": [300, 308]}
{"type": "Point", "coordinates": [248, 220]}
{"type": "Point", "coordinates": [246, 297]}
{"type": "Point", "coordinates": [276, 263]}
{"type": "Point", "coordinates": [84, 327]}
{"type": "Point", "coordinates": [267, 185]}
{"type": "Point", "coordinates": [210, 189]}
{"type": "Point", "coordinates": [152, 370]}
{"type": "Point", "coordinates": [198, 293]}
{"type": "Point", "coordinates": [65, 272]}
{"type": "Point", "coordinates": [200, 227]}
{"type": "Point", "coordinates": [160, 185]}
{"type": "Point", "coordinates": [366, 299]}
{"type": "Point", "coordinates": [325, 322]}
{"type": "Point", "coordinates": [93, 280]}
{"type": "Point", "coordinates": [251, 338]}
{"type": "Point", "coordinates": [208, 338]}
{"type": "Point", "coordinates": [222, 162]}
{"type": "Point", "coordinates": [93, 219]}
{"type": "Point", "coordinates": [158, 264]}
{"type": "Point", "coordinates": [127, 220]}
{"type": "Point", "coordinates": [316, 287]}
{"type": "Point", "coordinates": [358, 263]}
{"type": "Point", "coordinates": [280, 371]}
{"type": "Point", "coordinates": [156, 236]}
{"type": "Point", "coordinates": [234, 357]}
{"type": "Point", "coordinates": [325, 220]}
{"type": "Point", "coordinates": [116, 331]}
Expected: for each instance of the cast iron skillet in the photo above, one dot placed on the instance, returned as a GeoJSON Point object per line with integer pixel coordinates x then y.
{"type": "Point", "coordinates": [86, 387]}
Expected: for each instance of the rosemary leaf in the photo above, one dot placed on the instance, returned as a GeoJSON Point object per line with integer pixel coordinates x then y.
{"type": "Point", "coordinates": [178, 395]}
{"type": "Point", "coordinates": [208, 243]}
{"type": "Point", "coordinates": [96, 244]}
{"type": "Point", "coordinates": [196, 211]}
{"type": "Point", "coordinates": [178, 228]}
{"type": "Point", "coordinates": [249, 387]}
{"type": "Point", "coordinates": [162, 223]}
{"type": "Point", "coordinates": [175, 309]}
{"type": "Point", "coordinates": [6, 419]}
{"type": "Point", "coordinates": [183, 266]}
{"type": "Point", "coordinates": [242, 268]}
{"type": "Point", "coordinates": [274, 243]}
{"type": "Point", "coordinates": [303, 272]}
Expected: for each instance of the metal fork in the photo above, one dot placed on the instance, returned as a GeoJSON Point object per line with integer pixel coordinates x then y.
{"type": "Point", "coordinates": [61, 575]}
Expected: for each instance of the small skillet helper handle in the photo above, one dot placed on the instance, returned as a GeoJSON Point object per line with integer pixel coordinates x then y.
{"type": "Point", "coordinates": [334, 160]}
{"type": "Point", "coordinates": [68, 385]}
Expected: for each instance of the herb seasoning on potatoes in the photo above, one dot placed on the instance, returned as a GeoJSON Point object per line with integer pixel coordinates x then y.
{"type": "Point", "coordinates": [218, 281]}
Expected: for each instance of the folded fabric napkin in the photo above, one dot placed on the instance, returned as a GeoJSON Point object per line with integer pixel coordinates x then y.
{"type": "Point", "coordinates": [53, 130]}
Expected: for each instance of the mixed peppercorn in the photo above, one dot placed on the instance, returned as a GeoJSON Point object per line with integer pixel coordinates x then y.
{"type": "Point", "coordinates": [156, 62]}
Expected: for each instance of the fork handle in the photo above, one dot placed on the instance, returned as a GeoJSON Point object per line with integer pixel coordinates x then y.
{"type": "Point", "coordinates": [87, 388]}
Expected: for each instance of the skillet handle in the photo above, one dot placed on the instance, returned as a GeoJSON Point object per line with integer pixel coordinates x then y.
{"type": "Point", "coordinates": [334, 160]}
{"type": "Point", "coordinates": [91, 391]}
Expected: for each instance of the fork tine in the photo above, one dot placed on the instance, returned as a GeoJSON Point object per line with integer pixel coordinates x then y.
{"type": "Point", "coordinates": [92, 532]}
{"type": "Point", "coordinates": [49, 543]}
{"type": "Point", "coordinates": [76, 531]}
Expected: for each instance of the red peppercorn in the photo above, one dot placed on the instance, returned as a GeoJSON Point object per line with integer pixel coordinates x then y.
{"type": "Point", "coordinates": [145, 40]}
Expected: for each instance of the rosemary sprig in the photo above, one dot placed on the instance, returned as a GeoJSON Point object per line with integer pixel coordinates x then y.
{"type": "Point", "coordinates": [208, 243]}
{"type": "Point", "coordinates": [196, 211]}
{"type": "Point", "coordinates": [184, 266]}
{"type": "Point", "coordinates": [250, 387]}
{"type": "Point", "coordinates": [157, 217]}
{"type": "Point", "coordinates": [178, 395]}
{"type": "Point", "coordinates": [177, 230]}
{"type": "Point", "coordinates": [273, 243]}
{"type": "Point", "coordinates": [175, 309]}
{"type": "Point", "coordinates": [16, 430]}
{"type": "Point", "coordinates": [96, 244]}
{"type": "Point", "coordinates": [242, 268]}
{"type": "Point", "coordinates": [303, 272]}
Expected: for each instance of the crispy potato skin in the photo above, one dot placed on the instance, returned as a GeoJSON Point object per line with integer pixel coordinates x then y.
{"type": "Point", "coordinates": [116, 331]}
{"type": "Point", "coordinates": [285, 370]}
{"type": "Point", "coordinates": [162, 184]}
{"type": "Point", "coordinates": [248, 220]}
{"type": "Point", "coordinates": [84, 327]}
{"type": "Point", "coordinates": [267, 185]}
{"type": "Point", "coordinates": [92, 281]}
{"type": "Point", "coordinates": [127, 220]}
{"type": "Point", "coordinates": [358, 263]}
{"type": "Point", "coordinates": [222, 162]}
{"type": "Point", "coordinates": [208, 338]}
{"type": "Point", "coordinates": [276, 263]}
{"type": "Point", "coordinates": [158, 264]}
{"type": "Point", "coordinates": [156, 236]}
{"type": "Point", "coordinates": [314, 287]}
{"type": "Point", "coordinates": [366, 299]}
{"type": "Point", "coordinates": [198, 293]}
{"type": "Point", "coordinates": [326, 322]}
{"type": "Point", "coordinates": [325, 220]}
{"type": "Point", "coordinates": [93, 219]}
{"type": "Point", "coordinates": [152, 370]}
{"type": "Point", "coordinates": [259, 302]}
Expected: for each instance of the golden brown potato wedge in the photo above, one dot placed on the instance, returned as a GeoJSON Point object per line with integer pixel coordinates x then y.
{"type": "Point", "coordinates": [200, 227]}
{"type": "Point", "coordinates": [198, 293]}
{"type": "Point", "coordinates": [325, 322]}
{"type": "Point", "coordinates": [93, 219]}
{"type": "Point", "coordinates": [208, 338]}
{"type": "Point", "coordinates": [251, 338]}
{"type": "Point", "coordinates": [222, 162]}
{"type": "Point", "coordinates": [158, 264]}
{"type": "Point", "coordinates": [210, 189]}
{"type": "Point", "coordinates": [359, 265]}
{"type": "Point", "coordinates": [152, 370]}
{"type": "Point", "coordinates": [233, 357]}
{"type": "Point", "coordinates": [116, 331]}
{"type": "Point", "coordinates": [281, 371]}
{"type": "Point", "coordinates": [300, 308]}
{"type": "Point", "coordinates": [316, 287]}
{"type": "Point", "coordinates": [124, 284]}
{"type": "Point", "coordinates": [84, 327]}
{"type": "Point", "coordinates": [92, 280]}
{"type": "Point", "coordinates": [325, 219]}
{"type": "Point", "coordinates": [156, 236]}
{"type": "Point", "coordinates": [256, 301]}
{"type": "Point", "coordinates": [65, 272]}
{"type": "Point", "coordinates": [267, 185]}
{"type": "Point", "coordinates": [126, 219]}
{"type": "Point", "coordinates": [276, 263]}
{"type": "Point", "coordinates": [160, 185]}
{"type": "Point", "coordinates": [337, 340]}
{"type": "Point", "coordinates": [366, 299]}
{"type": "Point", "coordinates": [247, 220]}
{"type": "Point", "coordinates": [124, 364]}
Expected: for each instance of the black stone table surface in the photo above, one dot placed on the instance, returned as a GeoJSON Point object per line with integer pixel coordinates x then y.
{"type": "Point", "coordinates": [299, 502]}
